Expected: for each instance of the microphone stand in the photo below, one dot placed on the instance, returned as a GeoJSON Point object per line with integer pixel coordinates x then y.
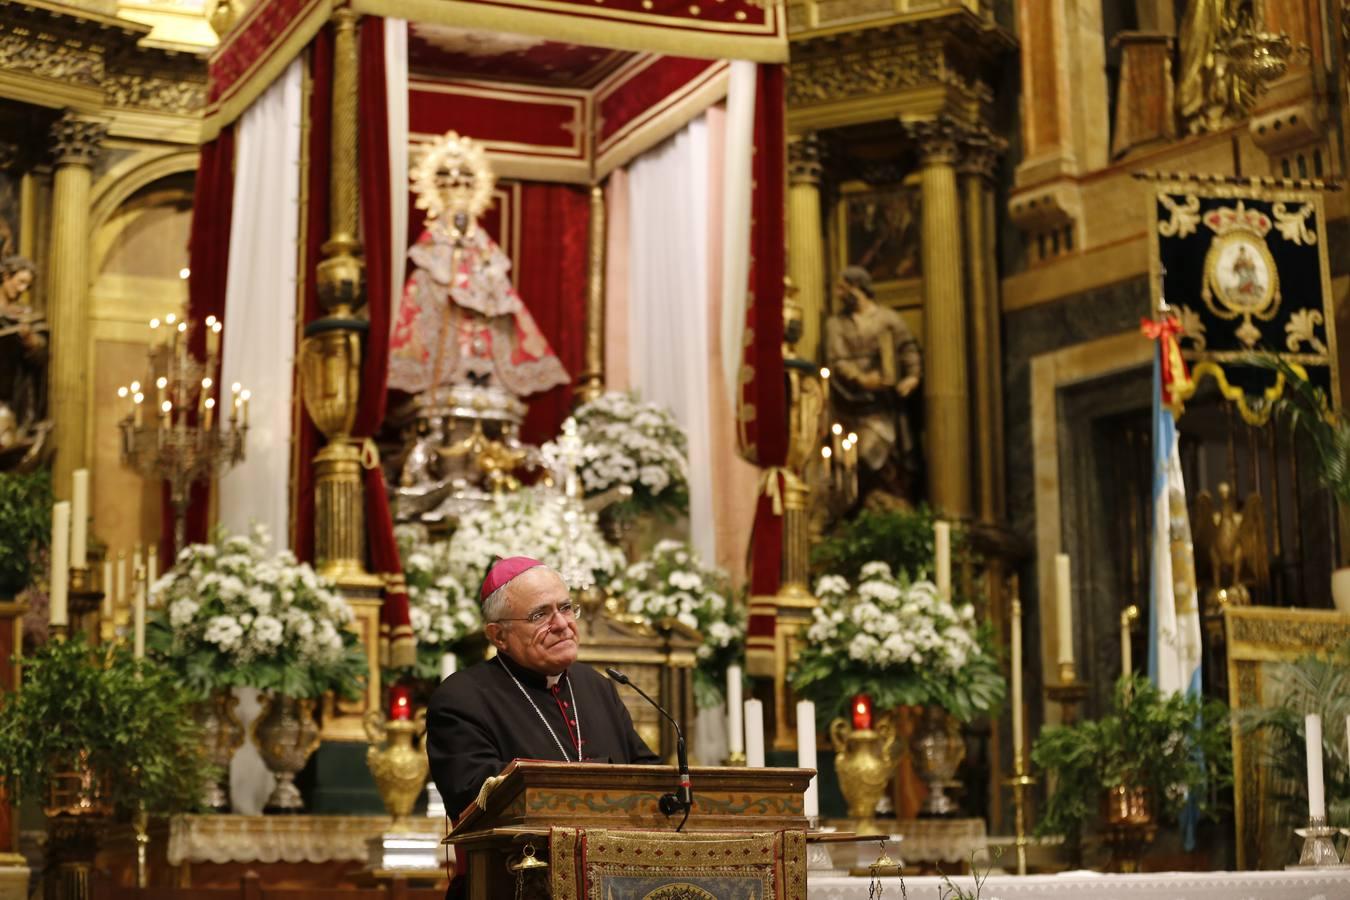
{"type": "Point", "coordinates": [683, 797]}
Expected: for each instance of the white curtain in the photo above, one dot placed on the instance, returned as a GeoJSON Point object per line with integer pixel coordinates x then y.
{"type": "Point", "coordinates": [396, 104]}
{"type": "Point", "coordinates": [260, 303]}
{"type": "Point", "coordinates": [668, 301]}
{"type": "Point", "coordinates": [740, 148]}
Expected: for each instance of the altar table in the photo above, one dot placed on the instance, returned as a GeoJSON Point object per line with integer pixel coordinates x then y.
{"type": "Point", "coordinates": [1325, 884]}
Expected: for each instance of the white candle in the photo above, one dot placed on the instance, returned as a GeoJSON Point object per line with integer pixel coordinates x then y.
{"type": "Point", "coordinates": [107, 590]}
{"type": "Point", "coordinates": [942, 551]}
{"type": "Point", "coordinates": [1317, 801]}
{"type": "Point", "coordinates": [448, 665]}
{"type": "Point", "coordinates": [138, 625]}
{"type": "Point", "coordinates": [121, 593]}
{"type": "Point", "coordinates": [1347, 738]}
{"type": "Point", "coordinates": [735, 723]}
{"type": "Point", "coordinates": [1064, 607]}
{"type": "Point", "coordinates": [60, 586]}
{"type": "Point", "coordinates": [1126, 651]}
{"type": "Point", "coordinates": [152, 566]}
{"type": "Point", "coordinates": [79, 519]}
{"type": "Point", "coordinates": [1016, 665]}
{"type": "Point", "coordinates": [754, 733]}
{"type": "Point", "coordinates": [806, 755]}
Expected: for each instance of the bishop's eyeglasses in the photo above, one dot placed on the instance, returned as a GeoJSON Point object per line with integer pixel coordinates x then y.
{"type": "Point", "coordinates": [541, 617]}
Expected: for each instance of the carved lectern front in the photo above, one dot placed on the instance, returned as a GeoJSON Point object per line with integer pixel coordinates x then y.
{"type": "Point", "coordinates": [596, 832]}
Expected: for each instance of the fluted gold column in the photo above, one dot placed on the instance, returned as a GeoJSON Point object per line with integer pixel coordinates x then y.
{"type": "Point", "coordinates": [330, 357]}
{"type": "Point", "coordinates": [945, 347]}
{"type": "Point", "coordinates": [75, 144]}
{"type": "Point", "coordinates": [806, 246]}
{"type": "Point", "coordinates": [978, 158]}
{"type": "Point", "coordinates": [591, 384]}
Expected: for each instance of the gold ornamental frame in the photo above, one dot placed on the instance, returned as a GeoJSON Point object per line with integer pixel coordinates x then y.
{"type": "Point", "coordinates": [902, 294]}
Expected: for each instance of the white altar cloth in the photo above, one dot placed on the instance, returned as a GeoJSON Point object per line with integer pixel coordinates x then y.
{"type": "Point", "coordinates": [1325, 884]}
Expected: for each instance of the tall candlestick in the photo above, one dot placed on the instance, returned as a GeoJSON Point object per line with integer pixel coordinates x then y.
{"type": "Point", "coordinates": [60, 586]}
{"type": "Point", "coordinates": [448, 665]}
{"type": "Point", "coordinates": [138, 624]}
{"type": "Point", "coordinates": [942, 551]}
{"type": "Point", "coordinates": [735, 722]}
{"type": "Point", "coordinates": [754, 733]}
{"type": "Point", "coordinates": [1317, 801]}
{"type": "Point", "coordinates": [1016, 664]}
{"type": "Point", "coordinates": [806, 755]}
{"type": "Point", "coordinates": [107, 590]}
{"type": "Point", "coordinates": [79, 519]}
{"type": "Point", "coordinates": [1064, 608]}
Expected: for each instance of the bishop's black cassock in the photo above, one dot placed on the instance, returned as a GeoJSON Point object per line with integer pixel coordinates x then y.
{"type": "Point", "coordinates": [478, 721]}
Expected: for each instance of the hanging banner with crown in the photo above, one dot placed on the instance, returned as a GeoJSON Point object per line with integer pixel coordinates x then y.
{"type": "Point", "coordinates": [1242, 267]}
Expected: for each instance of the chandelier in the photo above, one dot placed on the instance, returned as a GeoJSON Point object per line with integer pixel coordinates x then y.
{"type": "Point", "coordinates": [174, 429]}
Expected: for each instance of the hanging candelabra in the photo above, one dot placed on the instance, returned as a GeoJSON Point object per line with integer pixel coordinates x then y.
{"type": "Point", "coordinates": [174, 429]}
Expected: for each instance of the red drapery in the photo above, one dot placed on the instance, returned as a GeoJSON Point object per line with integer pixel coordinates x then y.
{"type": "Point", "coordinates": [208, 264]}
{"type": "Point", "coordinates": [555, 227]}
{"type": "Point", "coordinates": [764, 434]}
{"type": "Point", "coordinates": [397, 644]}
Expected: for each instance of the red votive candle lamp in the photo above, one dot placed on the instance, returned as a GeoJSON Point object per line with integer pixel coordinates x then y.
{"type": "Point", "coordinates": [862, 713]}
{"type": "Point", "coordinates": [400, 703]}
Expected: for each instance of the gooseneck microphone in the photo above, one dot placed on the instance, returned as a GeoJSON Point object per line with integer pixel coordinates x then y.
{"type": "Point", "coordinates": [683, 799]}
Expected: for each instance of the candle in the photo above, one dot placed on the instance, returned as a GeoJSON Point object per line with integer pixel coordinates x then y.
{"type": "Point", "coordinates": [1064, 608]}
{"type": "Point", "coordinates": [754, 733]}
{"type": "Point", "coordinates": [138, 401]}
{"type": "Point", "coordinates": [1317, 802]}
{"type": "Point", "coordinates": [862, 712]}
{"type": "Point", "coordinates": [400, 703]}
{"type": "Point", "coordinates": [448, 665]}
{"type": "Point", "coordinates": [942, 551]}
{"type": "Point", "coordinates": [138, 624]}
{"type": "Point", "coordinates": [79, 519]}
{"type": "Point", "coordinates": [825, 454]}
{"type": "Point", "coordinates": [210, 413]}
{"type": "Point", "coordinates": [152, 566]}
{"type": "Point", "coordinates": [1016, 667]}
{"type": "Point", "coordinates": [806, 755]}
{"type": "Point", "coordinates": [1347, 737]}
{"type": "Point", "coordinates": [121, 593]}
{"type": "Point", "coordinates": [60, 585]}
{"type": "Point", "coordinates": [243, 401]}
{"type": "Point", "coordinates": [735, 723]}
{"type": "Point", "coordinates": [107, 589]}
{"type": "Point", "coordinates": [1126, 650]}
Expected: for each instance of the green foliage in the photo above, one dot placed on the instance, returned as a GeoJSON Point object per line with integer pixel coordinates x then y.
{"type": "Point", "coordinates": [903, 539]}
{"type": "Point", "coordinates": [1307, 409]}
{"type": "Point", "coordinates": [1176, 746]}
{"type": "Point", "coordinates": [132, 717]}
{"type": "Point", "coordinates": [25, 526]}
{"type": "Point", "coordinates": [1311, 684]}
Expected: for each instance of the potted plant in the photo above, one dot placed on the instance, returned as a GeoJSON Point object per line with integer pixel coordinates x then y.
{"type": "Point", "coordinates": [673, 584]}
{"type": "Point", "coordinates": [230, 614]}
{"type": "Point", "coordinates": [900, 538]}
{"type": "Point", "coordinates": [25, 527]}
{"type": "Point", "coordinates": [1306, 407]}
{"type": "Point", "coordinates": [1149, 756]}
{"type": "Point", "coordinates": [94, 735]}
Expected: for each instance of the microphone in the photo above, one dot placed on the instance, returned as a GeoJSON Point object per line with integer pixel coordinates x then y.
{"type": "Point", "coordinates": [683, 799]}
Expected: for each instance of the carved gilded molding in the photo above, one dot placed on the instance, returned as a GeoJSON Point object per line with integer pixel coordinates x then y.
{"type": "Point", "coordinates": [44, 55]}
{"type": "Point", "coordinates": [804, 159]}
{"type": "Point", "coordinates": [941, 139]}
{"type": "Point", "coordinates": [77, 140]}
{"type": "Point", "coordinates": [156, 93]}
{"type": "Point", "coordinates": [866, 71]}
{"type": "Point", "coordinates": [980, 154]}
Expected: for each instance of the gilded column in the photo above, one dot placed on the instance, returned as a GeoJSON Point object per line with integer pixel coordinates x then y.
{"type": "Point", "coordinates": [591, 384]}
{"type": "Point", "coordinates": [330, 356]}
{"type": "Point", "coordinates": [945, 345]}
{"type": "Point", "coordinates": [806, 247]}
{"type": "Point", "coordinates": [76, 144]}
{"type": "Point", "coordinates": [978, 158]}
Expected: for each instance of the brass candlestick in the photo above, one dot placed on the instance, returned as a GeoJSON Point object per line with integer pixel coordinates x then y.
{"type": "Point", "coordinates": [84, 598]}
{"type": "Point", "coordinates": [736, 758]}
{"type": "Point", "coordinates": [1020, 782]}
{"type": "Point", "coordinates": [1069, 693]}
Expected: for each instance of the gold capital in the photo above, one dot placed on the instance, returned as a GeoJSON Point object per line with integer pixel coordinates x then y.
{"type": "Point", "coordinates": [77, 140]}
{"type": "Point", "coordinates": [804, 159]}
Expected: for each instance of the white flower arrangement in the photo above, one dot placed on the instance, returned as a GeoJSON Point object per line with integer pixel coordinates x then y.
{"type": "Point", "coordinates": [672, 583]}
{"type": "Point", "coordinates": [899, 641]}
{"type": "Point", "coordinates": [626, 442]}
{"type": "Point", "coordinates": [442, 610]}
{"type": "Point", "coordinates": [228, 614]}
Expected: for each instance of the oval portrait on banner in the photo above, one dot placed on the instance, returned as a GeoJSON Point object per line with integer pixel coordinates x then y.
{"type": "Point", "coordinates": [680, 892]}
{"type": "Point", "coordinates": [1241, 274]}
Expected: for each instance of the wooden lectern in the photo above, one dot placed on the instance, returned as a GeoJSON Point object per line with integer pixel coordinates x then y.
{"type": "Point", "coordinates": [602, 834]}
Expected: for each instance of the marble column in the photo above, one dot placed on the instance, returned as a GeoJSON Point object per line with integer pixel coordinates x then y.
{"type": "Point", "coordinates": [945, 341]}
{"type": "Point", "coordinates": [76, 143]}
{"type": "Point", "coordinates": [978, 160]}
{"type": "Point", "coordinates": [806, 245]}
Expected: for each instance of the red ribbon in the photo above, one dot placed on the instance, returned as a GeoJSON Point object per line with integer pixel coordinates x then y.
{"type": "Point", "coordinates": [1167, 332]}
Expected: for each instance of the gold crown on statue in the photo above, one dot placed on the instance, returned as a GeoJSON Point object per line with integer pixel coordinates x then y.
{"type": "Point", "coordinates": [453, 182]}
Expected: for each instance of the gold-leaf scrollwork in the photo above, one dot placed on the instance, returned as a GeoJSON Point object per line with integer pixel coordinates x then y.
{"type": "Point", "coordinates": [1293, 226]}
{"type": "Point", "coordinates": [1302, 329]}
{"type": "Point", "coordinates": [1185, 216]}
{"type": "Point", "coordinates": [1192, 328]}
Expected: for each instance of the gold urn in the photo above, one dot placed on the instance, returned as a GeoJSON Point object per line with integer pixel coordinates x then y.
{"type": "Point", "coordinates": [865, 762]}
{"type": "Point", "coordinates": [397, 757]}
{"type": "Point", "coordinates": [1127, 814]}
{"type": "Point", "coordinates": [287, 736]}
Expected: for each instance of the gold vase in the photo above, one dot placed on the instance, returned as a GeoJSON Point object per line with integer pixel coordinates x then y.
{"type": "Point", "coordinates": [222, 734]}
{"type": "Point", "coordinates": [78, 810]}
{"type": "Point", "coordinates": [938, 749]}
{"type": "Point", "coordinates": [397, 757]}
{"type": "Point", "coordinates": [865, 762]}
{"type": "Point", "coordinates": [1127, 813]}
{"type": "Point", "coordinates": [287, 736]}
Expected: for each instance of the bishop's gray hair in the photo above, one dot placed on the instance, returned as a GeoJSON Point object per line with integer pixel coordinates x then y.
{"type": "Point", "coordinates": [494, 606]}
